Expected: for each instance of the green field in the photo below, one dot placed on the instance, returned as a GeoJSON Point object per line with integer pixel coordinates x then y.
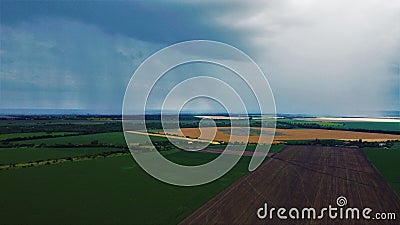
{"type": "Point", "coordinates": [102, 191]}
{"type": "Point", "coordinates": [111, 138]}
{"type": "Point", "coordinates": [113, 189]}
{"type": "Point", "coordinates": [52, 121]}
{"type": "Point", "coordinates": [33, 134]}
{"type": "Point", "coordinates": [373, 126]}
{"type": "Point", "coordinates": [384, 126]}
{"type": "Point", "coordinates": [251, 147]}
{"type": "Point", "coordinates": [22, 155]}
{"type": "Point", "coordinates": [307, 122]}
{"type": "Point", "coordinates": [116, 138]}
{"type": "Point", "coordinates": [274, 148]}
{"type": "Point", "coordinates": [386, 161]}
{"type": "Point", "coordinates": [99, 190]}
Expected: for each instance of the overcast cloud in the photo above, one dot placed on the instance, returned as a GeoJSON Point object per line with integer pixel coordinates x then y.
{"type": "Point", "coordinates": [320, 57]}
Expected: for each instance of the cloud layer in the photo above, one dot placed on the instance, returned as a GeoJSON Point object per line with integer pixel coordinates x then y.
{"type": "Point", "coordinates": [321, 57]}
{"type": "Point", "coordinates": [329, 57]}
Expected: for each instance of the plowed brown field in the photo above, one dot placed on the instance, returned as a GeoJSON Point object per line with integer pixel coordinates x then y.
{"type": "Point", "coordinates": [303, 176]}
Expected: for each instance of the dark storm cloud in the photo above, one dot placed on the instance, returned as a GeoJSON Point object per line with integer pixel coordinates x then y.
{"type": "Point", "coordinates": [162, 22]}
{"type": "Point", "coordinates": [321, 57]}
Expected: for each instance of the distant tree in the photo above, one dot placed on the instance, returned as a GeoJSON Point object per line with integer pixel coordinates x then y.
{"type": "Point", "coordinates": [94, 142]}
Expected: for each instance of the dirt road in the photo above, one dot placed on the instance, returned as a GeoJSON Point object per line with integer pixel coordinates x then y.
{"type": "Point", "coordinates": [233, 152]}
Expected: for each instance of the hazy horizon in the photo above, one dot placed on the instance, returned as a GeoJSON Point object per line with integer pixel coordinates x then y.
{"type": "Point", "coordinates": [33, 112]}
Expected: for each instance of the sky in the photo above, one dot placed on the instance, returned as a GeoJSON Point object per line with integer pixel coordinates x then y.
{"type": "Point", "coordinates": [334, 57]}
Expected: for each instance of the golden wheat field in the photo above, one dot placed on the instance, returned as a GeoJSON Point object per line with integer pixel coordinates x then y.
{"type": "Point", "coordinates": [223, 134]}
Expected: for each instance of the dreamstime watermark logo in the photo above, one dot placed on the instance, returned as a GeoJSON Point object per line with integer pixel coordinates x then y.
{"type": "Point", "coordinates": [341, 201]}
{"type": "Point", "coordinates": [331, 212]}
{"type": "Point", "coordinates": [223, 74]}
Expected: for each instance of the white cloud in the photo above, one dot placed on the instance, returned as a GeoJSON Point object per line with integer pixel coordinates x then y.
{"type": "Point", "coordinates": [324, 56]}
